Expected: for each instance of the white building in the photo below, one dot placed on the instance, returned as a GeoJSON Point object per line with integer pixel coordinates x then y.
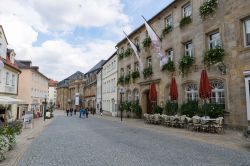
{"type": "Point", "coordinates": [109, 85]}
{"type": "Point", "coordinates": [9, 76]}
{"type": "Point", "coordinates": [52, 92]}
{"type": "Point", "coordinates": [99, 91]}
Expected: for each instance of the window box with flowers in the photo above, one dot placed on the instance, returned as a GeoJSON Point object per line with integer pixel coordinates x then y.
{"type": "Point", "coordinates": [185, 20]}
{"type": "Point", "coordinates": [213, 56]}
{"type": "Point", "coordinates": [170, 67]}
{"type": "Point", "coordinates": [120, 56]}
{"type": "Point", "coordinates": [185, 64]}
{"type": "Point", "coordinates": [208, 8]}
{"type": "Point", "coordinates": [121, 80]}
{"type": "Point", "coordinates": [146, 42]}
{"type": "Point", "coordinates": [135, 75]}
{"type": "Point", "coordinates": [127, 79]}
{"type": "Point", "coordinates": [128, 52]}
{"type": "Point", "coordinates": [147, 72]}
{"type": "Point", "coordinates": [167, 30]}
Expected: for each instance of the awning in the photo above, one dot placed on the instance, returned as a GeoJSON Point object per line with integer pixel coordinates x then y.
{"type": "Point", "coordinates": [10, 100]}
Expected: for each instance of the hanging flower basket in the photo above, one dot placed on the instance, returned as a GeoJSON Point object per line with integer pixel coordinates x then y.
{"type": "Point", "coordinates": [208, 8]}
{"type": "Point", "coordinates": [167, 30]}
{"type": "Point", "coordinates": [146, 42]}
{"type": "Point", "coordinates": [135, 74]}
{"type": "Point", "coordinates": [185, 21]}
{"type": "Point", "coordinates": [120, 56]}
{"type": "Point", "coordinates": [170, 67]}
{"type": "Point", "coordinates": [121, 80]}
{"type": "Point", "coordinates": [214, 56]}
{"type": "Point", "coordinates": [185, 63]}
{"type": "Point", "coordinates": [128, 52]}
{"type": "Point", "coordinates": [147, 72]}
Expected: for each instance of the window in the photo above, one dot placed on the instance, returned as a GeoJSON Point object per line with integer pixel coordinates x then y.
{"type": "Point", "coordinates": [136, 95]}
{"type": "Point", "coordinates": [13, 80]}
{"type": "Point", "coordinates": [129, 96]}
{"type": "Point", "coordinates": [189, 49]}
{"type": "Point", "coordinates": [218, 95]}
{"type": "Point", "coordinates": [122, 50]}
{"type": "Point", "coordinates": [187, 10]}
{"type": "Point", "coordinates": [136, 68]}
{"type": "Point", "coordinates": [122, 72]}
{"type": "Point", "coordinates": [128, 69]}
{"type": "Point", "coordinates": [128, 46]}
{"type": "Point", "coordinates": [169, 21]}
{"type": "Point", "coordinates": [149, 61]}
{"type": "Point", "coordinates": [247, 32]}
{"type": "Point", "coordinates": [214, 40]}
{"type": "Point", "coordinates": [170, 54]}
{"type": "Point", "coordinates": [191, 92]}
{"type": "Point", "coordinates": [136, 41]}
{"type": "Point", "coordinates": [7, 78]}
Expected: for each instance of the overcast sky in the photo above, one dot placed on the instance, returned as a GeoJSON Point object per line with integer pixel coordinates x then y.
{"type": "Point", "coordinates": [65, 36]}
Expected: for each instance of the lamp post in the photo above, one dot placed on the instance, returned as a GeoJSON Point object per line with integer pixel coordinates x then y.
{"type": "Point", "coordinates": [121, 91]}
{"type": "Point", "coordinates": [44, 112]}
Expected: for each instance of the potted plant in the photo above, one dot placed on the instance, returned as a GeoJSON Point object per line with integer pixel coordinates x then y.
{"type": "Point", "coordinates": [171, 108]}
{"type": "Point", "coordinates": [146, 42]}
{"type": "Point", "coordinates": [167, 30]}
{"type": "Point", "coordinates": [121, 80]}
{"type": "Point", "coordinates": [185, 64]}
{"type": "Point", "coordinates": [185, 20]}
{"type": "Point", "coordinates": [213, 56]}
{"type": "Point", "coordinates": [170, 67]}
{"type": "Point", "coordinates": [135, 74]}
{"type": "Point", "coordinates": [147, 72]}
{"type": "Point", "coordinates": [208, 8]}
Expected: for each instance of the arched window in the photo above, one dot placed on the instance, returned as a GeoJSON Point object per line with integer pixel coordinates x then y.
{"type": "Point", "coordinates": [191, 92]}
{"type": "Point", "coordinates": [136, 95]}
{"type": "Point", "coordinates": [129, 96]}
{"type": "Point", "coordinates": [218, 94]}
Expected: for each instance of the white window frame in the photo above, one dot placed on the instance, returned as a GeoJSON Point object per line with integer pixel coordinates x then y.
{"type": "Point", "coordinates": [13, 80]}
{"type": "Point", "coordinates": [170, 54]}
{"type": "Point", "coordinates": [149, 61]}
{"type": "Point", "coordinates": [136, 68]}
{"type": "Point", "coordinates": [218, 89]}
{"type": "Point", "coordinates": [245, 32]}
{"type": "Point", "coordinates": [185, 12]}
{"type": "Point", "coordinates": [169, 20]}
{"type": "Point", "coordinates": [214, 40]}
{"type": "Point", "coordinates": [191, 90]}
{"type": "Point", "coordinates": [189, 51]}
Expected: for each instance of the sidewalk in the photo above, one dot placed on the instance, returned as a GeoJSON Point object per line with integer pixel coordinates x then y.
{"type": "Point", "coordinates": [24, 140]}
{"type": "Point", "coordinates": [230, 139]}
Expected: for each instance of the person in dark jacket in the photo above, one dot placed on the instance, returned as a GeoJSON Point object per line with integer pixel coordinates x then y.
{"type": "Point", "coordinates": [71, 111]}
{"type": "Point", "coordinates": [75, 111]}
{"type": "Point", "coordinates": [87, 113]}
{"type": "Point", "coordinates": [67, 111]}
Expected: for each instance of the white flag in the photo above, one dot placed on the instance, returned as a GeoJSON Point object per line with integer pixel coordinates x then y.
{"type": "Point", "coordinates": [157, 45]}
{"type": "Point", "coordinates": [136, 52]}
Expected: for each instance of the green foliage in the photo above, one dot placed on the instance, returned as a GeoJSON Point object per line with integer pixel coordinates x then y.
{"type": "Point", "coordinates": [127, 106]}
{"type": "Point", "coordinates": [214, 56]}
{"type": "Point", "coordinates": [147, 72]}
{"type": "Point", "coordinates": [185, 63]}
{"type": "Point", "coordinates": [190, 108]}
{"type": "Point", "coordinates": [167, 30]}
{"type": "Point", "coordinates": [207, 8]}
{"type": "Point", "coordinates": [170, 67]}
{"type": "Point", "coordinates": [157, 109]}
{"type": "Point", "coordinates": [128, 52]}
{"type": "Point", "coordinates": [136, 108]}
{"type": "Point", "coordinates": [4, 146]}
{"type": "Point", "coordinates": [185, 20]}
{"type": "Point", "coordinates": [17, 126]}
{"type": "Point", "coordinates": [120, 56]}
{"type": "Point", "coordinates": [146, 42]}
{"type": "Point", "coordinates": [213, 110]}
{"type": "Point", "coordinates": [171, 108]}
{"type": "Point", "coordinates": [121, 80]}
{"type": "Point", "coordinates": [127, 79]}
{"type": "Point", "coordinates": [135, 74]}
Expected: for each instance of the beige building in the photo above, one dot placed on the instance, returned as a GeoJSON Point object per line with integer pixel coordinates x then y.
{"type": "Point", "coordinates": [228, 27]}
{"type": "Point", "coordinates": [52, 92]}
{"type": "Point", "coordinates": [70, 91]}
{"type": "Point", "coordinates": [33, 86]}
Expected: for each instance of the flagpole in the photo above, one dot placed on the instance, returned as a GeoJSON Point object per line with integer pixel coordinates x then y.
{"type": "Point", "coordinates": [152, 28]}
{"type": "Point", "coordinates": [127, 36]}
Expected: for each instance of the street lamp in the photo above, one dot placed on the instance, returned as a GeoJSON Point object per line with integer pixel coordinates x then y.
{"type": "Point", "coordinates": [44, 112]}
{"type": "Point", "coordinates": [121, 91]}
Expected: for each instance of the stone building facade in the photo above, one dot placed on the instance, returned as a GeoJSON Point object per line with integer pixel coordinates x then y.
{"type": "Point", "coordinates": [227, 27]}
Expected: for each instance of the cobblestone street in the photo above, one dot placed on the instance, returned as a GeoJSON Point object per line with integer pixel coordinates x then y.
{"type": "Point", "coordinates": [94, 141]}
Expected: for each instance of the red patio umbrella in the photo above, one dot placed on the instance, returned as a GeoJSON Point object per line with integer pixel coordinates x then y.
{"type": "Point", "coordinates": [173, 92]}
{"type": "Point", "coordinates": [152, 93]}
{"type": "Point", "coordinates": [205, 90]}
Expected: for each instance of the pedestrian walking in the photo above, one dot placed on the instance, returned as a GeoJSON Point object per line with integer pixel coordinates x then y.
{"type": "Point", "coordinates": [67, 111]}
{"type": "Point", "coordinates": [81, 113]}
{"type": "Point", "coordinates": [71, 111]}
{"type": "Point", "coordinates": [101, 111]}
{"type": "Point", "coordinates": [75, 111]}
{"type": "Point", "coordinates": [87, 113]}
